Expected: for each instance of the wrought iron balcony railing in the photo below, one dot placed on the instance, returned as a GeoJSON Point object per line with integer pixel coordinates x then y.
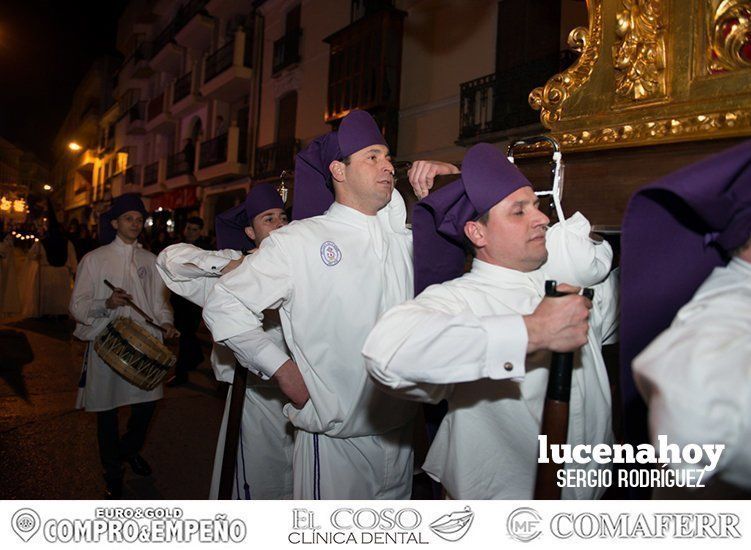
{"type": "Point", "coordinates": [213, 151]}
{"type": "Point", "coordinates": [132, 175]}
{"type": "Point", "coordinates": [182, 87]}
{"type": "Point", "coordinates": [151, 173]}
{"type": "Point", "coordinates": [272, 159]}
{"type": "Point", "coordinates": [156, 106]}
{"type": "Point", "coordinates": [178, 164]}
{"type": "Point", "coordinates": [498, 101]}
{"type": "Point", "coordinates": [219, 61]}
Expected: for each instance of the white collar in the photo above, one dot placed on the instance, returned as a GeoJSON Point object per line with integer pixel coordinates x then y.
{"type": "Point", "coordinates": [741, 266]}
{"type": "Point", "coordinates": [117, 241]}
{"type": "Point", "coordinates": [348, 214]}
{"type": "Point", "coordinates": [505, 277]}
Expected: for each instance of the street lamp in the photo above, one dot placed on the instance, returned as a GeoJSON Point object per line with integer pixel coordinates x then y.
{"type": "Point", "coordinates": [47, 187]}
{"type": "Point", "coordinates": [73, 146]}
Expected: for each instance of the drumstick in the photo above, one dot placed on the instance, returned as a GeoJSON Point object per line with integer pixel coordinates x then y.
{"type": "Point", "coordinates": [143, 314]}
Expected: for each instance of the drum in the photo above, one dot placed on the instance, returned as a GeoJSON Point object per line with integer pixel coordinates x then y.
{"type": "Point", "coordinates": [134, 353]}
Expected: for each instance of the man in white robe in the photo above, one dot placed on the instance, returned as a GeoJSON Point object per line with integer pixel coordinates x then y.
{"type": "Point", "coordinates": [695, 374]}
{"type": "Point", "coordinates": [132, 270]}
{"type": "Point", "coordinates": [476, 340]}
{"type": "Point", "coordinates": [264, 465]}
{"type": "Point", "coordinates": [331, 276]}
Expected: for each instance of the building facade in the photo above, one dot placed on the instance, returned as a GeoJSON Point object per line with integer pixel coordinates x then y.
{"type": "Point", "coordinates": [214, 95]}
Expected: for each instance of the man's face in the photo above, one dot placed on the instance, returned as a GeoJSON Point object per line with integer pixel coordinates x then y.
{"type": "Point", "coordinates": [368, 180]}
{"type": "Point", "coordinates": [514, 236]}
{"type": "Point", "coordinates": [264, 223]}
{"type": "Point", "coordinates": [129, 225]}
{"type": "Point", "coordinates": [191, 232]}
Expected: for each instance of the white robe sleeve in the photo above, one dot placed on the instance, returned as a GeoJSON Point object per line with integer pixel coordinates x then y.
{"type": "Point", "coordinates": [160, 299]}
{"type": "Point", "coordinates": [423, 347]}
{"type": "Point", "coordinates": [84, 307]}
{"type": "Point", "coordinates": [696, 379]}
{"type": "Point", "coordinates": [192, 272]}
{"type": "Point", "coordinates": [607, 302]}
{"type": "Point", "coordinates": [234, 308]}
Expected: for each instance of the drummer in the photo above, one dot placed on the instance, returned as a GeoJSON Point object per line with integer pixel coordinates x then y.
{"type": "Point", "coordinates": [132, 270]}
{"type": "Point", "coordinates": [264, 466]}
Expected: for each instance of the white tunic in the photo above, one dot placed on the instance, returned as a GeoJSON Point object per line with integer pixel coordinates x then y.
{"type": "Point", "coordinates": [46, 289]}
{"type": "Point", "coordinates": [264, 461]}
{"type": "Point", "coordinates": [458, 341]}
{"type": "Point", "coordinates": [696, 375]}
{"type": "Point", "coordinates": [133, 269]}
{"type": "Point", "coordinates": [331, 277]}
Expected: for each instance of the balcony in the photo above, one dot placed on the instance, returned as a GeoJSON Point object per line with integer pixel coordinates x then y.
{"type": "Point", "coordinates": [222, 158]}
{"type": "Point", "coordinates": [151, 175]}
{"type": "Point", "coordinates": [272, 159]}
{"type": "Point", "coordinates": [127, 181]}
{"type": "Point", "coordinates": [365, 65]}
{"type": "Point", "coordinates": [194, 28]}
{"type": "Point", "coordinates": [182, 87]}
{"type": "Point", "coordinates": [166, 55]}
{"type": "Point", "coordinates": [179, 171]}
{"type": "Point", "coordinates": [184, 93]}
{"type": "Point", "coordinates": [133, 175]}
{"type": "Point", "coordinates": [227, 72]}
{"type": "Point", "coordinates": [495, 104]}
{"type": "Point", "coordinates": [286, 51]}
{"type": "Point", "coordinates": [158, 114]}
{"type": "Point", "coordinates": [135, 69]}
{"type": "Point", "coordinates": [137, 118]}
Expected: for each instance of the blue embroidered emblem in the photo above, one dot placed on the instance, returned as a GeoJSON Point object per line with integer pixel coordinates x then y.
{"type": "Point", "coordinates": [141, 272]}
{"type": "Point", "coordinates": [330, 254]}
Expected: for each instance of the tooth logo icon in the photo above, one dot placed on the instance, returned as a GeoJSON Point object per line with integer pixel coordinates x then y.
{"type": "Point", "coordinates": [25, 523]}
{"type": "Point", "coordinates": [454, 526]}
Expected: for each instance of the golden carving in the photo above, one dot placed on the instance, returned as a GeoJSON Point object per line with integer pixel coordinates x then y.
{"type": "Point", "coordinates": [639, 52]}
{"type": "Point", "coordinates": [718, 124]}
{"type": "Point", "coordinates": [549, 99]}
{"type": "Point", "coordinates": [641, 78]}
{"type": "Point", "coordinates": [729, 35]}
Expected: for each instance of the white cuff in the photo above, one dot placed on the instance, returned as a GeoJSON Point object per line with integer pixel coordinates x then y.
{"type": "Point", "coordinates": [98, 309]}
{"type": "Point", "coordinates": [507, 346]}
{"type": "Point", "coordinates": [212, 263]}
{"type": "Point", "coordinates": [256, 352]}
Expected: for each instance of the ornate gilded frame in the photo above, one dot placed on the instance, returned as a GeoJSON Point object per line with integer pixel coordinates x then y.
{"type": "Point", "coordinates": [653, 71]}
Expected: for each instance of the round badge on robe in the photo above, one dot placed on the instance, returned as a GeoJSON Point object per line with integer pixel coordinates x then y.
{"type": "Point", "coordinates": [141, 272]}
{"type": "Point", "coordinates": [330, 253]}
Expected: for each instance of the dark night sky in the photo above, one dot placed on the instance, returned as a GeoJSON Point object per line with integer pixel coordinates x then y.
{"type": "Point", "coordinates": [46, 47]}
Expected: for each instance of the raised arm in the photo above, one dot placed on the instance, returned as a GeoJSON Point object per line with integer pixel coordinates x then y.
{"type": "Point", "coordinates": [423, 172]}
{"type": "Point", "coordinates": [191, 272]}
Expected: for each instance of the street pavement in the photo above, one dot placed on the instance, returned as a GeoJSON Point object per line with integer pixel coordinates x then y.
{"type": "Point", "coordinates": [48, 449]}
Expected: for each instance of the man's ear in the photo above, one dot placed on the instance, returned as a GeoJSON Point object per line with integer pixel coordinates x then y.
{"type": "Point", "coordinates": [114, 224]}
{"type": "Point", "coordinates": [475, 232]}
{"type": "Point", "coordinates": [337, 170]}
{"type": "Point", "coordinates": [250, 233]}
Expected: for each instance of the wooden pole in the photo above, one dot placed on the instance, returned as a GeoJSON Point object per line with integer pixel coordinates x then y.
{"type": "Point", "coordinates": [556, 411]}
{"type": "Point", "coordinates": [232, 434]}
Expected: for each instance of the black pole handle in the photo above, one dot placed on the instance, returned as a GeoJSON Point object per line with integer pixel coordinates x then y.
{"type": "Point", "coordinates": [561, 364]}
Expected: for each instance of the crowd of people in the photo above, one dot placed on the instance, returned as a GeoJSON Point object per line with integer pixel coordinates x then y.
{"type": "Point", "coordinates": [348, 318]}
